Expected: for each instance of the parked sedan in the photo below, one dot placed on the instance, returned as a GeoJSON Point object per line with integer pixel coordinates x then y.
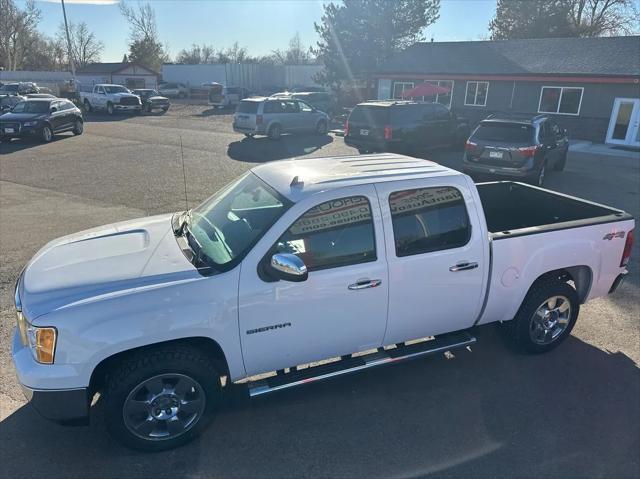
{"type": "Point", "coordinates": [41, 119]}
{"type": "Point", "coordinates": [152, 100]}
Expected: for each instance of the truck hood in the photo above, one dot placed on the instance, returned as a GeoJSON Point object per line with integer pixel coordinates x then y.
{"type": "Point", "coordinates": [123, 95]}
{"type": "Point", "coordinates": [102, 263]}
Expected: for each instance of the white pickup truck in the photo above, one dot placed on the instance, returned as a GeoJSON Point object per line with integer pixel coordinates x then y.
{"type": "Point", "coordinates": [366, 260]}
{"type": "Point", "coordinates": [111, 98]}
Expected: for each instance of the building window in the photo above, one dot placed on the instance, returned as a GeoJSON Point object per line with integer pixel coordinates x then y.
{"type": "Point", "coordinates": [399, 87]}
{"type": "Point", "coordinates": [476, 94]}
{"type": "Point", "coordinates": [561, 100]}
{"type": "Point", "coordinates": [442, 98]}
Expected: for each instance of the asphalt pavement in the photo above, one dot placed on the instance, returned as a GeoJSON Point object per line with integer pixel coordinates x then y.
{"type": "Point", "coordinates": [488, 412]}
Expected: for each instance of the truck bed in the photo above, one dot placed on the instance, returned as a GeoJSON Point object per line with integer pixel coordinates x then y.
{"type": "Point", "coordinates": [513, 209]}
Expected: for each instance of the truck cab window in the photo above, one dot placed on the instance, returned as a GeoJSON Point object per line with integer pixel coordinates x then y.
{"type": "Point", "coordinates": [332, 234]}
{"type": "Point", "coordinates": [428, 219]}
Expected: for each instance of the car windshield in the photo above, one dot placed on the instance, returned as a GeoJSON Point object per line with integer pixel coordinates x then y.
{"type": "Point", "coordinates": [11, 88]}
{"type": "Point", "coordinates": [225, 227]}
{"type": "Point", "coordinates": [115, 89]}
{"type": "Point", "coordinates": [31, 107]}
{"type": "Point", "coordinates": [504, 132]}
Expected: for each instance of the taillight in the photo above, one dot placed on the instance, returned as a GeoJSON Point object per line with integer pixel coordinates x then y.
{"type": "Point", "coordinates": [528, 151]}
{"type": "Point", "coordinates": [470, 145]}
{"type": "Point", "coordinates": [346, 128]}
{"type": "Point", "coordinates": [626, 253]}
{"type": "Point", "coordinates": [388, 132]}
{"type": "Point", "coordinates": [258, 119]}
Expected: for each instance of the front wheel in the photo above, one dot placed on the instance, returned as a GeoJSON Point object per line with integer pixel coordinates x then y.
{"type": "Point", "coordinates": [87, 106]}
{"type": "Point", "coordinates": [110, 108]}
{"type": "Point", "coordinates": [546, 317]}
{"type": "Point", "coordinates": [162, 398]}
{"type": "Point", "coordinates": [321, 127]}
{"type": "Point", "coordinates": [46, 135]}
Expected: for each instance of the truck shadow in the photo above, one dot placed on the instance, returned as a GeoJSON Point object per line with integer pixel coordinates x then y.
{"type": "Point", "coordinates": [486, 413]}
{"type": "Point", "coordinates": [262, 149]}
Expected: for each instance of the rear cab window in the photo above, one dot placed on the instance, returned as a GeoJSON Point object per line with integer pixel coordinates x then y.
{"type": "Point", "coordinates": [504, 132]}
{"type": "Point", "coordinates": [428, 219]}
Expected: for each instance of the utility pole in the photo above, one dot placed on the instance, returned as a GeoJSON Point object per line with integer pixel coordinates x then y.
{"type": "Point", "coordinates": [66, 28]}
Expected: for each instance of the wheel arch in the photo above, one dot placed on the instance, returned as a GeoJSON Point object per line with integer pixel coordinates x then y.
{"type": "Point", "coordinates": [581, 276]}
{"type": "Point", "coordinates": [207, 345]}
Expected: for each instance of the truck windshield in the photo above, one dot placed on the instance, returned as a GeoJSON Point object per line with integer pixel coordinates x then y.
{"type": "Point", "coordinates": [115, 89]}
{"type": "Point", "coordinates": [227, 225]}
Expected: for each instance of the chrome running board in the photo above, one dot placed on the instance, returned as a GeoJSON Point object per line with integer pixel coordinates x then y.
{"type": "Point", "coordinates": [381, 357]}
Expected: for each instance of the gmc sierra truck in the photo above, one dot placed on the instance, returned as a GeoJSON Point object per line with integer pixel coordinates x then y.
{"type": "Point", "coordinates": [111, 98]}
{"type": "Point", "coordinates": [365, 260]}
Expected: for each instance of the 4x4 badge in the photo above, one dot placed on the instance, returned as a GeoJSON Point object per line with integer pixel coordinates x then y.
{"type": "Point", "coordinates": [610, 236]}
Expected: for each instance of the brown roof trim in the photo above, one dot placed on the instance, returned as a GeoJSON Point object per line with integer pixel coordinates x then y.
{"type": "Point", "coordinates": [563, 78]}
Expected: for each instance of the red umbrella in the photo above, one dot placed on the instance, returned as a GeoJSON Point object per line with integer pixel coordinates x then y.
{"type": "Point", "coordinates": [425, 89]}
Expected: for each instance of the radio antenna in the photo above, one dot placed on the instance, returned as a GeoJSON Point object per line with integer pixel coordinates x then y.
{"type": "Point", "coordinates": [184, 176]}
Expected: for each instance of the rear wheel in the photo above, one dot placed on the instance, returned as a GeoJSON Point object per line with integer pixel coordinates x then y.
{"type": "Point", "coordinates": [275, 132]}
{"type": "Point", "coordinates": [163, 398]}
{"type": "Point", "coordinates": [546, 316]}
{"type": "Point", "coordinates": [321, 127]}
{"type": "Point", "coordinates": [87, 106]}
{"type": "Point", "coordinates": [78, 128]}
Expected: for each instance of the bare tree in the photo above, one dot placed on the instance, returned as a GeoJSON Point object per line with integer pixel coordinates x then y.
{"type": "Point", "coordinates": [196, 55]}
{"type": "Point", "coordinates": [18, 34]}
{"type": "Point", "coordinates": [85, 47]}
{"type": "Point", "coordinates": [592, 18]}
{"type": "Point", "coordinates": [296, 54]}
{"type": "Point", "coordinates": [144, 47]}
{"type": "Point", "coordinates": [234, 54]}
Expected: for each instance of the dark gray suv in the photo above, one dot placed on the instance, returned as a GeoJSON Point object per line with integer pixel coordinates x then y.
{"type": "Point", "coordinates": [524, 148]}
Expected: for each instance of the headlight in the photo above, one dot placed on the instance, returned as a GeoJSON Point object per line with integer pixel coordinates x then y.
{"type": "Point", "coordinates": [30, 123]}
{"type": "Point", "coordinates": [41, 341]}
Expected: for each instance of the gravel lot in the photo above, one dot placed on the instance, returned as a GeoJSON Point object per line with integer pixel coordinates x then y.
{"type": "Point", "coordinates": [574, 412]}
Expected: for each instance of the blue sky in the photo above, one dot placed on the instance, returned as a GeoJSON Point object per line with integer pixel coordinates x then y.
{"type": "Point", "coordinates": [259, 25]}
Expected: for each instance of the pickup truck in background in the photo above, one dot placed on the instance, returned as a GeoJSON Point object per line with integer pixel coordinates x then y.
{"type": "Point", "coordinates": [366, 260]}
{"type": "Point", "coordinates": [111, 98]}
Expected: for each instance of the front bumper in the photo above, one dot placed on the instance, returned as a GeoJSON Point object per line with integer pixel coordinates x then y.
{"type": "Point", "coordinates": [22, 132]}
{"type": "Point", "coordinates": [119, 107]}
{"type": "Point", "coordinates": [44, 387]}
{"type": "Point", "coordinates": [64, 406]}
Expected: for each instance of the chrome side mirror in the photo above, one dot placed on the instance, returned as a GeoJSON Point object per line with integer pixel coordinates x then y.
{"type": "Point", "coordinates": [288, 267]}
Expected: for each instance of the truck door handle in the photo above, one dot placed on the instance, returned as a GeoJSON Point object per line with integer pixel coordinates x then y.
{"type": "Point", "coordinates": [464, 266]}
{"type": "Point", "coordinates": [365, 283]}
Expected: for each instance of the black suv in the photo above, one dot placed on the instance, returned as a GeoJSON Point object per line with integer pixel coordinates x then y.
{"type": "Point", "coordinates": [403, 126]}
{"type": "Point", "coordinates": [516, 147]}
{"type": "Point", "coordinates": [41, 118]}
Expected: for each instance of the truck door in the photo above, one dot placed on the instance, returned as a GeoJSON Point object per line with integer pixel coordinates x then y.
{"type": "Point", "coordinates": [436, 255]}
{"type": "Point", "coordinates": [341, 308]}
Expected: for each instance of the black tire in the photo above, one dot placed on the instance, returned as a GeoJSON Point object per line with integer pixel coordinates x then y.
{"type": "Point", "coordinates": [322, 128]}
{"type": "Point", "coordinates": [46, 134]}
{"type": "Point", "coordinates": [164, 362]}
{"type": "Point", "coordinates": [275, 131]}
{"type": "Point", "coordinates": [559, 166]}
{"type": "Point", "coordinates": [165, 109]}
{"type": "Point", "coordinates": [78, 128]}
{"type": "Point", "coordinates": [87, 106]}
{"type": "Point", "coordinates": [541, 174]}
{"type": "Point", "coordinates": [520, 328]}
{"type": "Point", "coordinates": [110, 109]}
{"type": "Point", "coordinates": [249, 135]}
{"type": "Point", "coordinates": [363, 151]}
{"type": "Point", "coordinates": [147, 108]}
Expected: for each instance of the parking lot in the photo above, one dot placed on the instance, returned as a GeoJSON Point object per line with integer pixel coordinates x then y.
{"type": "Point", "coordinates": [488, 412]}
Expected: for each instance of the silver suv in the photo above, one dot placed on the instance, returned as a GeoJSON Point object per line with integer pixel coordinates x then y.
{"type": "Point", "coordinates": [275, 116]}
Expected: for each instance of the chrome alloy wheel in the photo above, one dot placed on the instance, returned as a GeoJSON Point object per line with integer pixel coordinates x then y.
{"type": "Point", "coordinates": [164, 407]}
{"type": "Point", "coordinates": [550, 320]}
